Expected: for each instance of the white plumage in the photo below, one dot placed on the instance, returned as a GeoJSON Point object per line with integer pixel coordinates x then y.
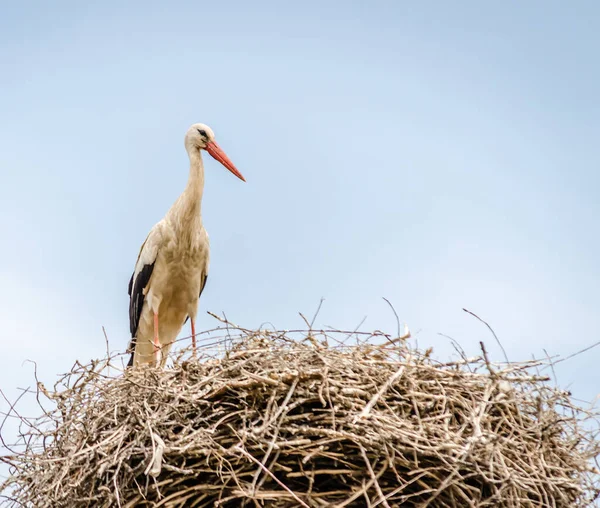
{"type": "Point", "coordinates": [172, 266]}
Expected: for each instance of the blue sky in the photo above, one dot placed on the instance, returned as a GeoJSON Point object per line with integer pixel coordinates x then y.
{"type": "Point", "coordinates": [441, 154]}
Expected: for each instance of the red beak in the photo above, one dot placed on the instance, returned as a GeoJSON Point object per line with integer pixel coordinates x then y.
{"type": "Point", "coordinates": [216, 153]}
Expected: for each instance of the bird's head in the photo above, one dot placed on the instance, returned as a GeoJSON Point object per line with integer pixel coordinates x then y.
{"type": "Point", "coordinates": [201, 137]}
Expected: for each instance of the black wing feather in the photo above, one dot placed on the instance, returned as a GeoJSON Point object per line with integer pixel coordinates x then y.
{"type": "Point", "coordinates": [203, 284]}
{"type": "Point", "coordinates": [201, 289]}
{"type": "Point", "coordinates": [136, 303]}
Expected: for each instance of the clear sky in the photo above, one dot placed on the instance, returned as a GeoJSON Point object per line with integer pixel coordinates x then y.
{"type": "Point", "coordinates": [440, 154]}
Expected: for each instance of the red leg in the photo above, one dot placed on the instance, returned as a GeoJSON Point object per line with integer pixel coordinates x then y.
{"type": "Point", "coordinates": [193, 337]}
{"type": "Point", "coordinates": [156, 341]}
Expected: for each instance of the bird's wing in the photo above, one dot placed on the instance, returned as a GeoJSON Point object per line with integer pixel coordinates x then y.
{"type": "Point", "coordinates": [204, 273]}
{"type": "Point", "coordinates": [206, 262]}
{"type": "Point", "coordinates": [140, 278]}
{"type": "Point", "coordinates": [203, 283]}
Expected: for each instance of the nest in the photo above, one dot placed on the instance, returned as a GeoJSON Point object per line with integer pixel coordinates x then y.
{"type": "Point", "coordinates": [274, 420]}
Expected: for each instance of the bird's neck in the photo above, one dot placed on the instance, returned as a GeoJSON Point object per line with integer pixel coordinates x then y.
{"type": "Point", "coordinates": [195, 184]}
{"type": "Point", "coordinates": [188, 208]}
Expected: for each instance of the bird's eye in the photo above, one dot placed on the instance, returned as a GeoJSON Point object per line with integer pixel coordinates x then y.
{"type": "Point", "coordinates": [202, 132]}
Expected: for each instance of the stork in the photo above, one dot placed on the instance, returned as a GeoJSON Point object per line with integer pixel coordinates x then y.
{"type": "Point", "coordinates": [172, 265]}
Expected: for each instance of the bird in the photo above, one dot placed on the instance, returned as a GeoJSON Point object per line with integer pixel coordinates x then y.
{"type": "Point", "coordinates": [172, 265]}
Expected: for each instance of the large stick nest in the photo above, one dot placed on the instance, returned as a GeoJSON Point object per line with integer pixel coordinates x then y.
{"type": "Point", "coordinates": [273, 421]}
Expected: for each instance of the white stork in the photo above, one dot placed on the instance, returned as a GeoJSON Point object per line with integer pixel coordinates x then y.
{"type": "Point", "coordinates": [172, 266]}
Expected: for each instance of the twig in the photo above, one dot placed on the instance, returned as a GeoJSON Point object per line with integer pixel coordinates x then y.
{"type": "Point", "coordinates": [263, 467]}
{"type": "Point", "coordinates": [395, 314]}
{"type": "Point", "coordinates": [493, 333]}
{"type": "Point", "coordinates": [596, 344]}
{"type": "Point", "coordinates": [458, 348]}
{"type": "Point", "coordinates": [312, 322]}
{"type": "Point", "coordinates": [282, 410]}
{"type": "Point", "coordinates": [382, 498]}
{"type": "Point", "coordinates": [382, 390]}
{"type": "Point", "coordinates": [551, 363]}
{"type": "Point", "coordinates": [304, 319]}
{"type": "Point", "coordinates": [10, 410]}
{"type": "Point", "coordinates": [487, 360]}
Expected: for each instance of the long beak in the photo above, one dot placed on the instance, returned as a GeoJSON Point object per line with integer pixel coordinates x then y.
{"type": "Point", "coordinates": [216, 153]}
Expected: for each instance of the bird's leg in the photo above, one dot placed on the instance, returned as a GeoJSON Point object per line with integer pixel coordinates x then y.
{"type": "Point", "coordinates": [156, 341]}
{"type": "Point", "coordinates": [193, 336]}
